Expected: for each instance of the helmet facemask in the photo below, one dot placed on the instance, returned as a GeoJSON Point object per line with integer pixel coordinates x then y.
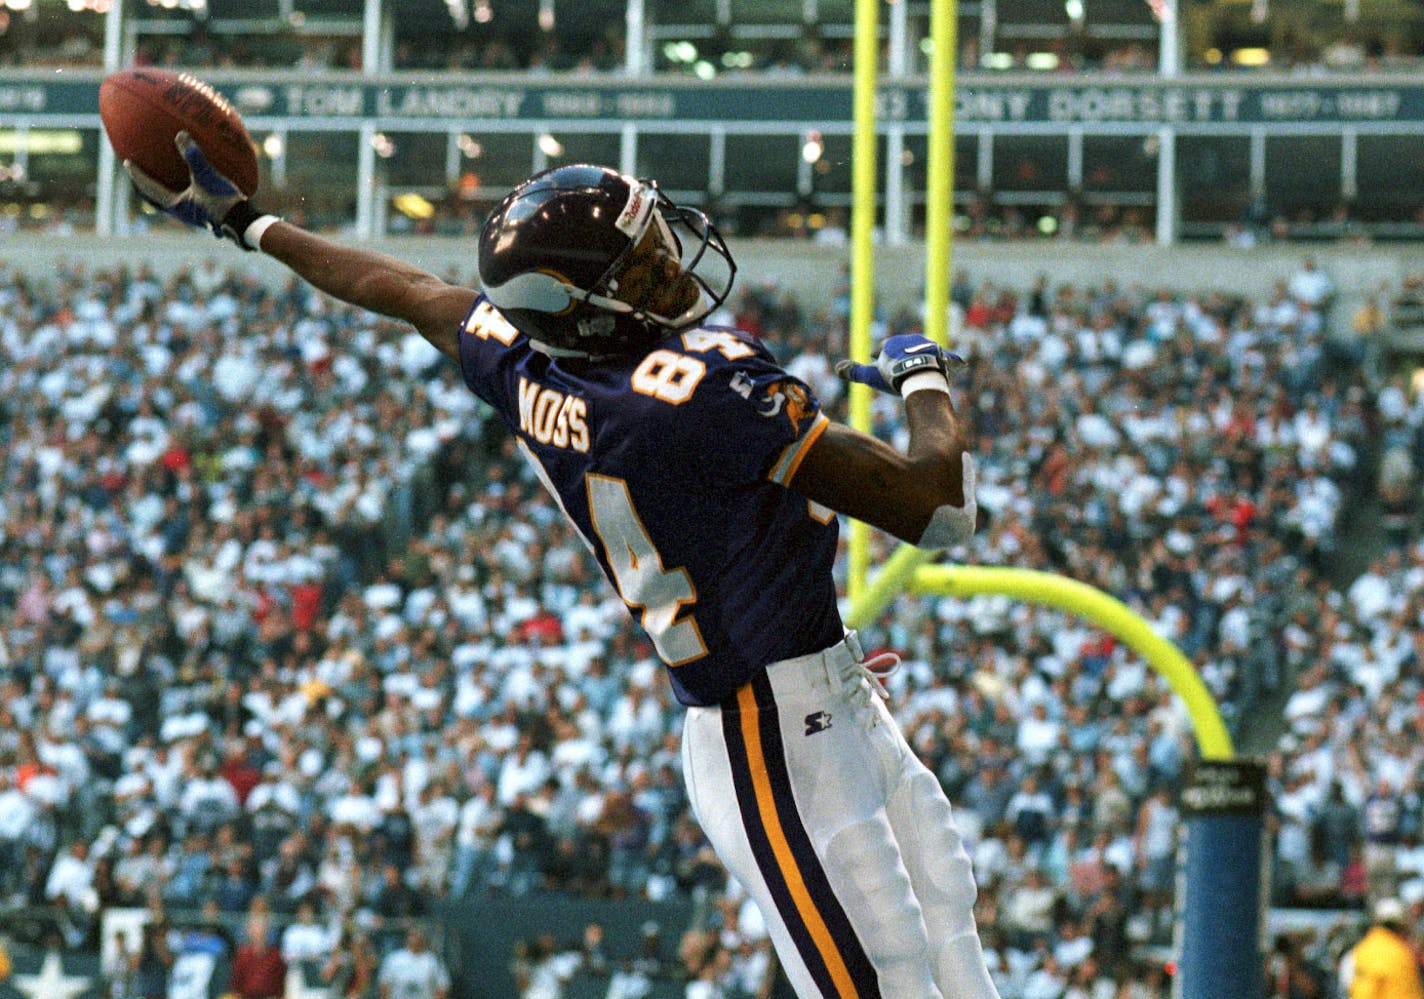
{"type": "Point", "coordinates": [655, 282]}
{"type": "Point", "coordinates": [591, 263]}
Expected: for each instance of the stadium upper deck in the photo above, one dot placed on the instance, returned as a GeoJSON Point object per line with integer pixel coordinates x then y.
{"type": "Point", "coordinates": [414, 116]}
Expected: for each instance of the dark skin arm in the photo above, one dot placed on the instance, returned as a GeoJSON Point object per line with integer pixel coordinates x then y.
{"type": "Point", "coordinates": [865, 478]}
{"type": "Point", "coordinates": [375, 282]}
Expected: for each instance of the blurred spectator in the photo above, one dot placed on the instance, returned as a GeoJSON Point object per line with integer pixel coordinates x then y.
{"type": "Point", "coordinates": [1384, 962]}
{"type": "Point", "coordinates": [353, 969]}
{"type": "Point", "coordinates": [481, 819]}
{"type": "Point", "coordinates": [304, 942]}
{"type": "Point", "coordinates": [71, 885]}
{"type": "Point", "coordinates": [1317, 880]}
{"type": "Point", "coordinates": [1312, 287]}
{"type": "Point", "coordinates": [1290, 974]}
{"type": "Point", "coordinates": [152, 963]}
{"type": "Point", "coordinates": [258, 968]}
{"type": "Point", "coordinates": [1383, 817]}
{"type": "Point", "coordinates": [393, 899]}
{"type": "Point", "coordinates": [413, 972]}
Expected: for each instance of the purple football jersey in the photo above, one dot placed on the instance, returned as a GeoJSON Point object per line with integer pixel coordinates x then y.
{"type": "Point", "coordinates": [673, 465]}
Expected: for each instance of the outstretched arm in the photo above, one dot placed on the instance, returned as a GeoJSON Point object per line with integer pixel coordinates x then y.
{"type": "Point", "coordinates": [368, 280]}
{"type": "Point", "coordinates": [925, 495]}
{"type": "Point", "coordinates": [374, 281]}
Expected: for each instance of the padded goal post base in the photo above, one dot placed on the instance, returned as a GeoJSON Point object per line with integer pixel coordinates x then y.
{"type": "Point", "coordinates": [1223, 883]}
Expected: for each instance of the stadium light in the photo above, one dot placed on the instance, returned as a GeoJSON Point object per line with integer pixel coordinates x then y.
{"type": "Point", "coordinates": [813, 147]}
{"type": "Point", "coordinates": [680, 52]}
{"type": "Point", "coordinates": [1251, 57]}
{"type": "Point", "coordinates": [40, 142]}
{"type": "Point", "coordinates": [414, 206]}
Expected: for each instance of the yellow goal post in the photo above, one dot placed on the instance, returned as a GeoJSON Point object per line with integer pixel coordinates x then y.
{"type": "Point", "coordinates": [908, 569]}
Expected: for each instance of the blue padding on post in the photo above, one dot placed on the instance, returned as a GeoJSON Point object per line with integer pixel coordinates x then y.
{"type": "Point", "coordinates": [1223, 886]}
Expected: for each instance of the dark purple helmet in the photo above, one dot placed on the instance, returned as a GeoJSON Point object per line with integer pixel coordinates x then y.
{"type": "Point", "coordinates": [557, 258]}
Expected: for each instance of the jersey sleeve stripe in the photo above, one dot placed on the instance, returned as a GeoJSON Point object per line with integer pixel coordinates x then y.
{"type": "Point", "coordinates": [785, 468]}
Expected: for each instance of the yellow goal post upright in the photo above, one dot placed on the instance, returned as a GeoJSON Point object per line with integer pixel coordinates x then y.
{"type": "Point", "coordinates": [939, 212]}
{"type": "Point", "coordinates": [1224, 866]}
{"type": "Point", "coordinates": [907, 568]}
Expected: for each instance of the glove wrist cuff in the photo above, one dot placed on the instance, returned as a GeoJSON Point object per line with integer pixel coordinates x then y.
{"type": "Point", "coordinates": [244, 224]}
{"type": "Point", "coordinates": [902, 369]}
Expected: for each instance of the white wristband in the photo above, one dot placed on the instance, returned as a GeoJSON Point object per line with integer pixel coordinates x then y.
{"type": "Point", "coordinates": [920, 381]}
{"type": "Point", "coordinates": [253, 234]}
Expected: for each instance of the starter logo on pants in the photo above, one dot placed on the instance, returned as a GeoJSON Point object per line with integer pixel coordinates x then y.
{"type": "Point", "coordinates": [818, 722]}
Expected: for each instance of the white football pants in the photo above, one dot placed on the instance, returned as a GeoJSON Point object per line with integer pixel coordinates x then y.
{"type": "Point", "coordinates": [808, 791]}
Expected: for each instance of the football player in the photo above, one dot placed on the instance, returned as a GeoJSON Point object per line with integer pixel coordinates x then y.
{"type": "Point", "coordinates": [707, 482]}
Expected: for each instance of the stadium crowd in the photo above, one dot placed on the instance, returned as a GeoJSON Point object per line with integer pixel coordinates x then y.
{"type": "Point", "coordinates": [289, 634]}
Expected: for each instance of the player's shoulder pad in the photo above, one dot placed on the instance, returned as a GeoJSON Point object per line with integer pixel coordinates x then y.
{"type": "Point", "coordinates": [721, 345]}
{"type": "Point", "coordinates": [737, 333]}
{"type": "Point", "coordinates": [745, 376]}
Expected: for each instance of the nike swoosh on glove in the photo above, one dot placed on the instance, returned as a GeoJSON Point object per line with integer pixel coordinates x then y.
{"type": "Point", "coordinates": [900, 357]}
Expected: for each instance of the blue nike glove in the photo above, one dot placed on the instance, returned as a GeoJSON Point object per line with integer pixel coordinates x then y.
{"type": "Point", "coordinates": [210, 201]}
{"type": "Point", "coordinates": [900, 357]}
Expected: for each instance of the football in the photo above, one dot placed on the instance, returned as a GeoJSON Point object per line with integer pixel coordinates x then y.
{"type": "Point", "coordinates": [143, 109]}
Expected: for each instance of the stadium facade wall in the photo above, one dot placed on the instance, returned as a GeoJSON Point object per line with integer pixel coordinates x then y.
{"type": "Point", "coordinates": [813, 271]}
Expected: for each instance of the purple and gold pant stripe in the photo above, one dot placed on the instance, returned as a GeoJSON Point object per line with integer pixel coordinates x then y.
{"type": "Point", "coordinates": [818, 924]}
